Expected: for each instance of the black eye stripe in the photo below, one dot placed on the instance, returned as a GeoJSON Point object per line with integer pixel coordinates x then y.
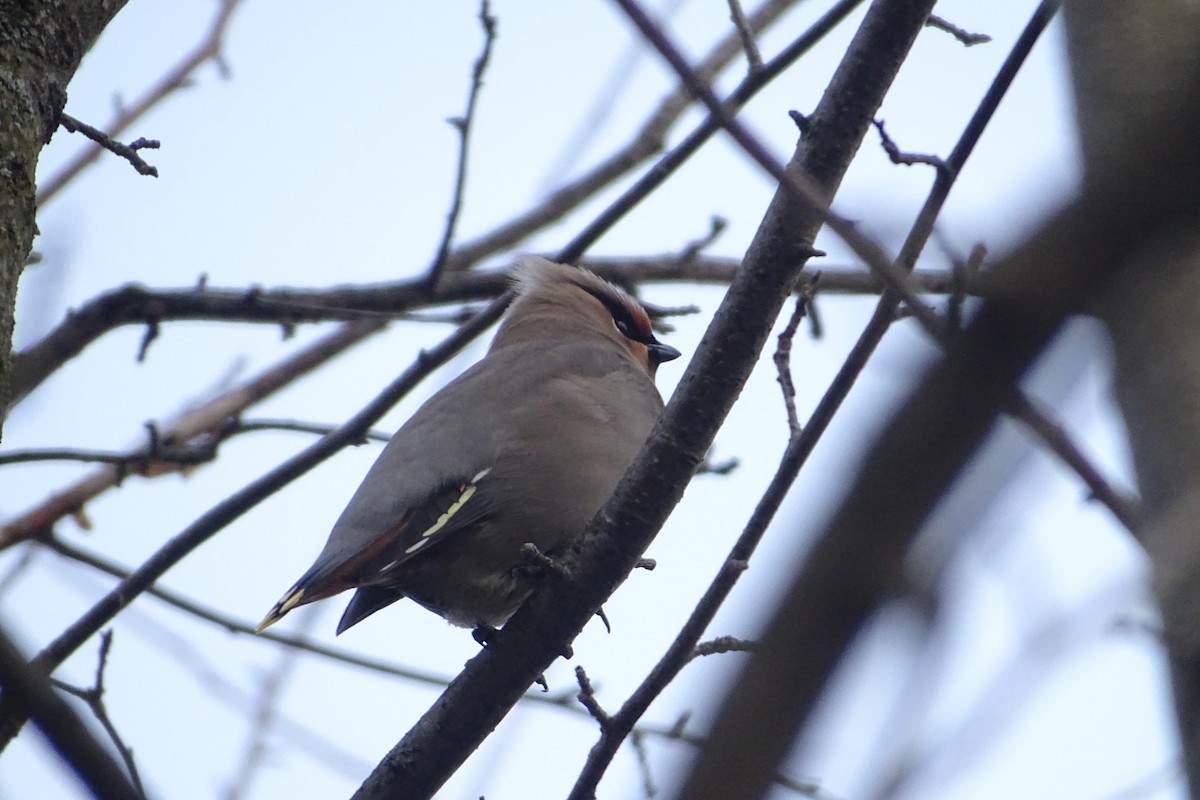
{"type": "Point", "coordinates": [622, 318]}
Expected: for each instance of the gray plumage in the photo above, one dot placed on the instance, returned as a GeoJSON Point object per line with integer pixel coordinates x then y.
{"type": "Point", "coordinates": [525, 446]}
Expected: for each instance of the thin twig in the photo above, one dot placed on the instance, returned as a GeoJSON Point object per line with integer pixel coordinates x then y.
{"type": "Point", "coordinates": [127, 461]}
{"type": "Point", "coordinates": [738, 16]}
{"type": "Point", "coordinates": [29, 693]}
{"type": "Point", "coordinates": [319, 429]}
{"type": "Point", "coordinates": [587, 698]}
{"type": "Point", "coordinates": [135, 304]}
{"type": "Point", "coordinates": [463, 125]}
{"type": "Point", "coordinates": [668, 164]}
{"type": "Point", "coordinates": [898, 156]}
{"type": "Point", "coordinates": [894, 274]}
{"type": "Point", "coordinates": [722, 644]}
{"type": "Point", "coordinates": [16, 570]}
{"type": "Point", "coordinates": [204, 667]}
{"type": "Point", "coordinates": [208, 420]}
{"type": "Point", "coordinates": [225, 512]}
{"type": "Point", "coordinates": [794, 457]}
{"type": "Point", "coordinates": [967, 38]}
{"type": "Point", "coordinates": [643, 759]}
{"type": "Point", "coordinates": [30, 368]}
{"type": "Point", "coordinates": [94, 698]}
{"type": "Point", "coordinates": [160, 458]}
{"type": "Point", "coordinates": [179, 76]}
{"type": "Point", "coordinates": [783, 354]}
{"type": "Point", "coordinates": [129, 152]}
{"type": "Point", "coordinates": [648, 141]}
{"type": "Point", "coordinates": [233, 625]}
{"type": "Point", "coordinates": [693, 249]}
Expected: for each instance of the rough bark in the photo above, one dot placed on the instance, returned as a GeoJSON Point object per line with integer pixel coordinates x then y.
{"type": "Point", "coordinates": [41, 45]}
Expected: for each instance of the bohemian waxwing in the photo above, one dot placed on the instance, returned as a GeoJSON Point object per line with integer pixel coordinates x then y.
{"type": "Point", "coordinates": [525, 446]}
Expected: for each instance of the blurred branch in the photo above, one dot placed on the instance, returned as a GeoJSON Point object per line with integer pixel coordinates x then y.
{"type": "Point", "coordinates": [1042, 649]}
{"type": "Point", "coordinates": [856, 562]}
{"type": "Point", "coordinates": [233, 625]}
{"type": "Point", "coordinates": [738, 17]}
{"type": "Point", "coordinates": [1136, 79]}
{"type": "Point", "coordinates": [27, 691]}
{"type": "Point", "coordinates": [94, 698]}
{"type": "Point", "coordinates": [209, 420]}
{"type": "Point", "coordinates": [266, 712]}
{"type": "Point", "coordinates": [178, 77]}
{"type": "Point", "coordinates": [896, 275]}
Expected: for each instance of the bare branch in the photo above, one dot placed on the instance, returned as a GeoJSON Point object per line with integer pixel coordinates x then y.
{"type": "Point", "coordinates": [94, 698]}
{"type": "Point", "coordinates": [28, 692]}
{"type": "Point", "coordinates": [248, 425]}
{"type": "Point", "coordinates": [967, 38]}
{"type": "Point", "coordinates": [1055, 437]}
{"type": "Point", "coordinates": [1048, 277]}
{"type": "Point", "coordinates": [494, 679]}
{"type": "Point", "coordinates": [722, 644]}
{"type": "Point", "coordinates": [783, 354]}
{"type": "Point", "coordinates": [738, 16]}
{"type": "Point", "coordinates": [667, 165]}
{"type": "Point", "coordinates": [899, 157]}
{"type": "Point", "coordinates": [11, 719]}
{"type": "Point", "coordinates": [463, 126]}
{"type": "Point", "coordinates": [176, 78]}
{"type": "Point", "coordinates": [233, 625]}
{"type": "Point", "coordinates": [266, 712]}
{"type": "Point", "coordinates": [135, 304]}
{"type": "Point", "coordinates": [130, 461]}
{"type": "Point", "coordinates": [650, 139]}
{"type": "Point", "coordinates": [129, 152]}
{"type": "Point", "coordinates": [587, 698]}
{"type": "Point", "coordinates": [210, 419]}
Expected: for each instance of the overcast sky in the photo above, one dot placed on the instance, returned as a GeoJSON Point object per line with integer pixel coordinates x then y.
{"type": "Point", "coordinates": [324, 157]}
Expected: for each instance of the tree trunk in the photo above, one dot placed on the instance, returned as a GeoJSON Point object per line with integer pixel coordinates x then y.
{"type": "Point", "coordinates": [1129, 64]}
{"type": "Point", "coordinates": [41, 45]}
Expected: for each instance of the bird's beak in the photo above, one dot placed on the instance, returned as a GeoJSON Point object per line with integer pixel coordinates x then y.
{"type": "Point", "coordinates": [660, 352]}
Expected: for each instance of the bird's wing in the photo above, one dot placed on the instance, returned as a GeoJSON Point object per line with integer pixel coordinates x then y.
{"type": "Point", "coordinates": [456, 504]}
{"type": "Point", "coordinates": [432, 477]}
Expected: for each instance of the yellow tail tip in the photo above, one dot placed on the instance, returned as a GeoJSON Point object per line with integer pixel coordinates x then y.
{"type": "Point", "coordinates": [290, 601]}
{"type": "Point", "coordinates": [270, 619]}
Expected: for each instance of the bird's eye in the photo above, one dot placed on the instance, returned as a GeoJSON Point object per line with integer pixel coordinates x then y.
{"type": "Point", "coordinates": [623, 327]}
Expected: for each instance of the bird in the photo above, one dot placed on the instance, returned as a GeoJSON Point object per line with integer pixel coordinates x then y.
{"type": "Point", "coordinates": [522, 448]}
